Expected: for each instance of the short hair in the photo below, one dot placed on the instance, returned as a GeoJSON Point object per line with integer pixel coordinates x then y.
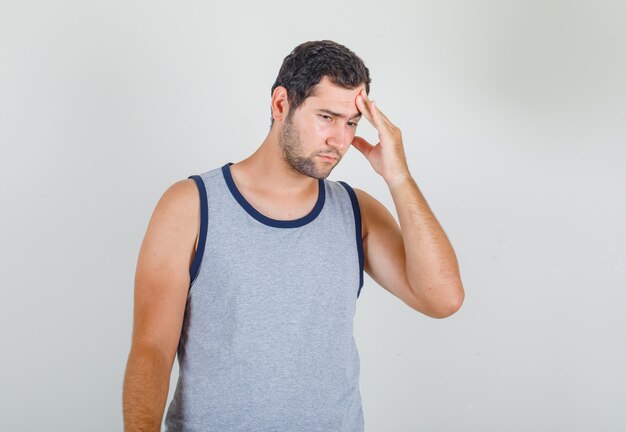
{"type": "Point", "coordinates": [309, 62]}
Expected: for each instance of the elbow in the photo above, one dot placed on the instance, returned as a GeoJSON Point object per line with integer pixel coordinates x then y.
{"type": "Point", "coordinates": [439, 301]}
{"type": "Point", "coordinates": [453, 304]}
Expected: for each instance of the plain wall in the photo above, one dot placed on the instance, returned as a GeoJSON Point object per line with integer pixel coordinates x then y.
{"type": "Point", "coordinates": [513, 116]}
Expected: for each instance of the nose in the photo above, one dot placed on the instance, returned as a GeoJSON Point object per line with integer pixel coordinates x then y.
{"type": "Point", "coordinates": [341, 137]}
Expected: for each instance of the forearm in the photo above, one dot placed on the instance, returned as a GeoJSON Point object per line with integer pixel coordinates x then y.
{"type": "Point", "coordinates": [146, 385]}
{"type": "Point", "coordinates": [431, 265]}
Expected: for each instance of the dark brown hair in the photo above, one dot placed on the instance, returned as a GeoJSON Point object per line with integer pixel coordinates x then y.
{"type": "Point", "coordinates": [305, 66]}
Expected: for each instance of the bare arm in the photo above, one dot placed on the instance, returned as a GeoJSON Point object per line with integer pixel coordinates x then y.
{"type": "Point", "coordinates": [146, 386]}
{"type": "Point", "coordinates": [161, 286]}
{"type": "Point", "coordinates": [431, 265]}
{"type": "Point", "coordinates": [417, 262]}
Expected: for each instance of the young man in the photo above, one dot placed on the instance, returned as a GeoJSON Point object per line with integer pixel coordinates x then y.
{"type": "Point", "coordinates": [251, 271]}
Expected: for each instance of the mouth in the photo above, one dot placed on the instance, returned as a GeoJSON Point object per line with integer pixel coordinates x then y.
{"type": "Point", "coordinates": [328, 158]}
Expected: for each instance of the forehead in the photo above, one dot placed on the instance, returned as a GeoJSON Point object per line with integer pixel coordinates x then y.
{"type": "Point", "coordinates": [328, 93]}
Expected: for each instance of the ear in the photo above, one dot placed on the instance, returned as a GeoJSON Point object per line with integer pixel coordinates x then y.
{"type": "Point", "coordinates": [280, 103]}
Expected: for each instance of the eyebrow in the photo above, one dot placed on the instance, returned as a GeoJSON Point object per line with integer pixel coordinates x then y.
{"type": "Point", "coordinates": [336, 114]}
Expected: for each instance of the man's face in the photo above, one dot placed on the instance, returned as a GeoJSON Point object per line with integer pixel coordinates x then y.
{"type": "Point", "coordinates": [324, 124]}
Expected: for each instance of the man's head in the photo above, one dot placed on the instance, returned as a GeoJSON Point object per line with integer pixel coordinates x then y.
{"type": "Point", "coordinates": [305, 66]}
{"type": "Point", "coordinates": [314, 97]}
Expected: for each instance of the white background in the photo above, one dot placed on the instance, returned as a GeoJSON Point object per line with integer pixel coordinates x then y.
{"type": "Point", "coordinates": [513, 116]}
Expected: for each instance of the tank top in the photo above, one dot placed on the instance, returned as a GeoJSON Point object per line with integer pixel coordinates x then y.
{"type": "Point", "coordinates": [267, 338]}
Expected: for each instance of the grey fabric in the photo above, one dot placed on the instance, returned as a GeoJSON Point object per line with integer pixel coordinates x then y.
{"type": "Point", "coordinates": [267, 340]}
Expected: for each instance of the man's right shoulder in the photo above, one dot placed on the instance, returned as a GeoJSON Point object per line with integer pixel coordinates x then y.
{"type": "Point", "coordinates": [174, 225]}
{"type": "Point", "coordinates": [181, 195]}
{"type": "Point", "coordinates": [184, 195]}
{"type": "Point", "coordinates": [179, 207]}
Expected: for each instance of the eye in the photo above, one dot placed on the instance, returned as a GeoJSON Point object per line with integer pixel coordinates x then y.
{"type": "Point", "coordinates": [353, 124]}
{"type": "Point", "coordinates": [325, 117]}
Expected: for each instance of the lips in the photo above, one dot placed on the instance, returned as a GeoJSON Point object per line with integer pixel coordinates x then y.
{"type": "Point", "coordinates": [328, 157]}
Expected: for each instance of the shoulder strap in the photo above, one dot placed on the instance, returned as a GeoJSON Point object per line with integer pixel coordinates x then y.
{"type": "Point", "coordinates": [204, 218]}
{"type": "Point", "coordinates": [357, 222]}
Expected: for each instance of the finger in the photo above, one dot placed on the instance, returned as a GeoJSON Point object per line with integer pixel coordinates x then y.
{"type": "Point", "coordinates": [362, 108]}
{"type": "Point", "coordinates": [365, 110]}
{"type": "Point", "coordinates": [366, 99]}
{"type": "Point", "coordinates": [362, 145]}
{"type": "Point", "coordinates": [378, 116]}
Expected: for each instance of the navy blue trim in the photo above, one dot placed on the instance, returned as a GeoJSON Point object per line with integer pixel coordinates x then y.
{"type": "Point", "coordinates": [359, 237]}
{"type": "Point", "coordinates": [321, 198]}
{"type": "Point", "coordinates": [204, 221]}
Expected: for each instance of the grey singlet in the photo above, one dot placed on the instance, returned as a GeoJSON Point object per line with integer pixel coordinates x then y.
{"type": "Point", "coordinates": [267, 340]}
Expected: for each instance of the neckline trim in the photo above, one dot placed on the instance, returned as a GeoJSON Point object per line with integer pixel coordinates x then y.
{"type": "Point", "coordinates": [277, 223]}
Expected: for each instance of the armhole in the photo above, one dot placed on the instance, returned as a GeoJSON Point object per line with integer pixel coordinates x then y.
{"type": "Point", "coordinates": [357, 223]}
{"type": "Point", "coordinates": [204, 218]}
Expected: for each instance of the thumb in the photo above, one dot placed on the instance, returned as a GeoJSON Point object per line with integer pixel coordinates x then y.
{"type": "Point", "coordinates": [362, 145]}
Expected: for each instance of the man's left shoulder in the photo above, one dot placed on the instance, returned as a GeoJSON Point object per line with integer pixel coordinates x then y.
{"type": "Point", "coordinates": [366, 201]}
{"type": "Point", "coordinates": [374, 214]}
{"type": "Point", "coordinates": [363, 201]}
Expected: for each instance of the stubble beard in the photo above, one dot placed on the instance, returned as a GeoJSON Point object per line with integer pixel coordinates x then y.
{"type": "Point", "coordinates": [291, 145]}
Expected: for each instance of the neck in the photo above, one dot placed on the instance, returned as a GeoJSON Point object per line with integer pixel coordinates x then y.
{"type": "Point", "coordinates": [267, 170]}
